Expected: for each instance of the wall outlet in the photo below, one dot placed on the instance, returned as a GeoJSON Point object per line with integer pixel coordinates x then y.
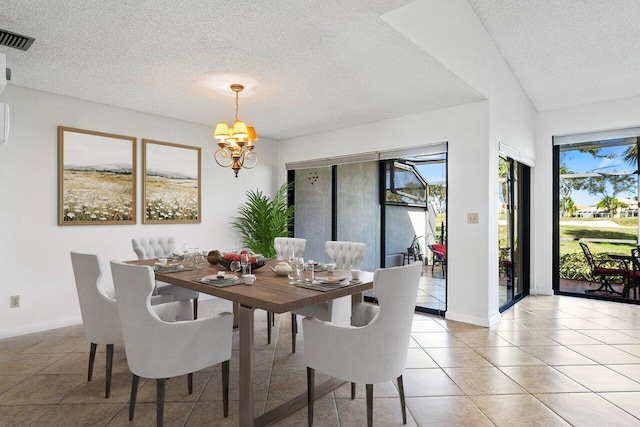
{"type": "Point", "coordinates": [14, 301]}
{"type": "Point", "coordinates": [472, 218]}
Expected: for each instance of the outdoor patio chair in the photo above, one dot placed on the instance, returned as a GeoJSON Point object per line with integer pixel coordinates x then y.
{"type": "Point", "coordinates": [600, 272]}
{"type": "Point", "coordinates": [439, 257]}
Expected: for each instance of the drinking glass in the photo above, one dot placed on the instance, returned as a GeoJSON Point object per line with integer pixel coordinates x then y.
{"type": "Point", "coordinates": [294, 274]}
{"type": "Point", "coordinates": [291, 256]}
{"type": "Point", "coordinates": [198, 258]}
{"type": "Point", "coordinates": [244, 262]}
{"type": "Point", "coordinates": [235, 266]}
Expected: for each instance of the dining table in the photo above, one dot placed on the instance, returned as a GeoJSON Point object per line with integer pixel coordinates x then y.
{"type": "Point", "coordinates": [272, 293]}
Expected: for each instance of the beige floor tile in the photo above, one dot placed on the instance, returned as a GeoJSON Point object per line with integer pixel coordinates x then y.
{"type": "Point", "coordinates": [387, 389]}
{"type": "Point", "coordinates": [175, 414]}
{"type": "Point", "coordinates": [386, 412]}
{"type": "Point", "coordinates": [324, 414]}
{"type": "Point", "coordinates": [428, 382]}
{"type": "Point", "coordinates": [57, 345]}
{"type": "Point", "coordinates": [611, 337]}
{"type": "Point", "coordinates": [19, 344]}
{"type": "Point", "coordinates": [20, 415]}
{"type": "Point", "coordinates": [605, 354]}
{"type": "Point", "coordinates": [613, 323]}
{"type": "Point", "coordinates": [418, 358]}
{"type": "Point", "coordinates": [482, 338]}
{"type": "Point", "coordinates": [629, 401]}
{"type": "Point", "coordinates": [508, 325]}
{"type": "Point", "coordinates": [75, 363]}
{"type": "Point", "coordinates": [599, 378]}
{"type": "Point", "coordinates": [570, 337]}
{"type": "Point", "coordinates": [542, 379]}
{"type": "Point", "coordinates": [517, 410]}
{"type": "Point", "coordinates": [211, 414]}
{"type": "Point", "coordinates": [95, 414]}
{"type": "Point", "coordinates": [94, 391]}
{"type": "Point", "coordinates": [285, 385]}
{"type": "Point", "coordinates": [176, 389]}
{"type": "Point", "coordinates": [436, 339]}
{"type": "Point", "coordinates": [557, 355]}
{"type": "Point", "coordinates": [629, 371]}
{"type": "Point", "coordinates": [27, 364]}
{"type": "Point", "coordinates": [507, 356]}
{"type": "Point", "coordinates": [483, 380]}
{"type": "Point", "coordinates": [580, 324]}
{"type": "Point", "coordinates": [41, 390]}
{"type": "Point", "coordinates": [454, 411]}
{"type": "Point", "coordinates": [456, 357]}
{"type": "Point", "coordinates": [629, 348]}
{"type": "Point", "coordinates": [213, 389]}
{"type": "Point", "coordinates": [8, 381]}
{"type": "Point", "coordinates": [526, 338]}
{"type": "Point", "coordinates": [587, 409]}
{"type": "Point", "coordinates": [427, 325]}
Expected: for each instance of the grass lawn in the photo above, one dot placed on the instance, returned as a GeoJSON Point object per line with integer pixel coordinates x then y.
{"type": "Point", "coordinates": [570, 234]}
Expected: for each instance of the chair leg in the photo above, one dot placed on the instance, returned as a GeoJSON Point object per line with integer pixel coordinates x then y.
{"type": "Point", "coordinates": [92, 358]}
{"type": "Point", "coordinates": [195, 308]}
{"type": "Point", "coordinates": [225, 388]}
{"type": "Point", "coordinates": [294, 331]}
{"type": "Point", "coordinates": [134, 395]}
{"type": "Point", "coordinates": [353, 391]}
{"type": "Point", "coordinates": [109, 365]}
{"type": "Point", "coordinates": [402, 402]}
{"type": "Point", "coordinates": [268, 327]}
{"type": "Point", "coordinates": [160, 384]}
{"type": "Point", "coordinates": [310, 394]}
{"type": "Point", "coordinates": [369, 405]}
{"type": "Point", "coordinates": [190, 382]}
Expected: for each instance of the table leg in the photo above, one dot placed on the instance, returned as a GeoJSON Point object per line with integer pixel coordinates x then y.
{"type": "Point", "coordinates": [245, 321]}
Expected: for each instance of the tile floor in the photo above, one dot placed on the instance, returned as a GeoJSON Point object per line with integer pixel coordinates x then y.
{"type": "Point", "coordinates": [550, 361]}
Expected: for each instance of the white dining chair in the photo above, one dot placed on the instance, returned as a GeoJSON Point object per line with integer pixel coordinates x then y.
{"type": "Point", "coordinates": [161, 247]}
{"type": "Point", "coordinates": [158, 349]}
{"type": "Point", "coordinates": [99, 310]}
{"type": "Point", "coordinates": [346, 256]}
{"type": "Point", "coordinates": [283, 245]}
{"type": "Point", "coordinates": [370, 354]}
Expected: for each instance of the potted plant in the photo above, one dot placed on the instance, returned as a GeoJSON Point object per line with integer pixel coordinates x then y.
{"type": "Point", "coordinates": [261, 220]}
{"type": "Point", "coordinates": [414, 248]}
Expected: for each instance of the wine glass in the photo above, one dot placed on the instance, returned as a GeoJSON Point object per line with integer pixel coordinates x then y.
{"type": "Point", "coordinates": [244, 262]}
{"type": "Point", "coordinates": [235, 266]}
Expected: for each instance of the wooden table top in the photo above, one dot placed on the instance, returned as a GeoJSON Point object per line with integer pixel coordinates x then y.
{"type": "Point", "coordinates": [269, 292]}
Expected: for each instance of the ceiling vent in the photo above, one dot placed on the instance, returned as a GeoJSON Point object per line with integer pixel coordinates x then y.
{"type": "Point", "coordinates": [16, 41]}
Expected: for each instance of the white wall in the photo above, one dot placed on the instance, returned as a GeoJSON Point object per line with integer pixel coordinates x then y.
{"type": "Point", "coordinates": [614, 114]}
{"type": "Point", "coordinates": [34, 250]}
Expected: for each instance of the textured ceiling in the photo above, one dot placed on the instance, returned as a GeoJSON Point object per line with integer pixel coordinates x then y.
{"type": "Point", "coordinates": [308, 66]}
{"type": "Point", "coordinates": [567, 52]}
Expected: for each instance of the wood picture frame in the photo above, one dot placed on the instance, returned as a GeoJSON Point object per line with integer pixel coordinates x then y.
{"type": "Point", "coordinates": [171, 183]}
{"type": "Point", "coordinates": [96, 177]}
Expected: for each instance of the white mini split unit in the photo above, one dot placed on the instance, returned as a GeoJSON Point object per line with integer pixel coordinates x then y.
{"type": "Point", "coordinates": [4, 108]}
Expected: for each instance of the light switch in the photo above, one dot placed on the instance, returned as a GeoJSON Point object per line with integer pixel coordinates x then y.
{"type": "Point", "coordinates": [472, 218]}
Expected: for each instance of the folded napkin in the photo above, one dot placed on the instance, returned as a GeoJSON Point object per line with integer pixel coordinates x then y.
{"type": "Point", "coordinates": [219, 283]}
{"type": "Point", "coordinates": [171, 268]}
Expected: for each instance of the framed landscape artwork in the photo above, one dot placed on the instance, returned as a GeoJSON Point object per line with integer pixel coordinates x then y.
{"type": "Point", "coordinates": [96, 178]}
{"type": "Point", "coordinates": [171, 183]}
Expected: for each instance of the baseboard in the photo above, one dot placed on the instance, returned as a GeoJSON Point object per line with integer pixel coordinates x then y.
{"type": "Point", "coordinates": [40, 327]}
{"type": "Point", "coordinates": [472, 319]}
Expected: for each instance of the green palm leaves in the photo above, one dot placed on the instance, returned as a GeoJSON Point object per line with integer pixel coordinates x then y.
{"type": "Point", "coordinates": [262, 219]}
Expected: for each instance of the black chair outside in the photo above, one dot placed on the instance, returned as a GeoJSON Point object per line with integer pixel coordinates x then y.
{"type": "Point", "coordinates": [634, 275]}
{"type": "Point", "coordinates": [600, 272]}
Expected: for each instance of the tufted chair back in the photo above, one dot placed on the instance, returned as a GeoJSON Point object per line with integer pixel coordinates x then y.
{"type": "Point", "coordinates": [153, 247]}
{"type": "Point", "coordinates": [283, 245]}
{"type": "Point", "coordinates": [345, 255]}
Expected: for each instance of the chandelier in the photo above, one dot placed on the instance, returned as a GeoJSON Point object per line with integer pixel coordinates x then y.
{"type": "Point", "coordinates": [235, 142]}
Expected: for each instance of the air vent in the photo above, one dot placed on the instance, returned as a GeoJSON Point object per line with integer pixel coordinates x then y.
{"type": "Point", "coordinates": [16, 41]}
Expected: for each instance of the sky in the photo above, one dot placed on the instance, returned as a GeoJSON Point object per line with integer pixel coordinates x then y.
{"type": "Point", "coordinates": [578, 162]}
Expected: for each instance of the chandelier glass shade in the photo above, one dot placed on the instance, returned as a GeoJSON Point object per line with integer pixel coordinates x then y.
{"type": "Point", "coordinates": [235, 143]}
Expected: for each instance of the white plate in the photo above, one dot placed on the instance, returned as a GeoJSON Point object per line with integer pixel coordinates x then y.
{"type": "Point", "coordinates": [331, 279]}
